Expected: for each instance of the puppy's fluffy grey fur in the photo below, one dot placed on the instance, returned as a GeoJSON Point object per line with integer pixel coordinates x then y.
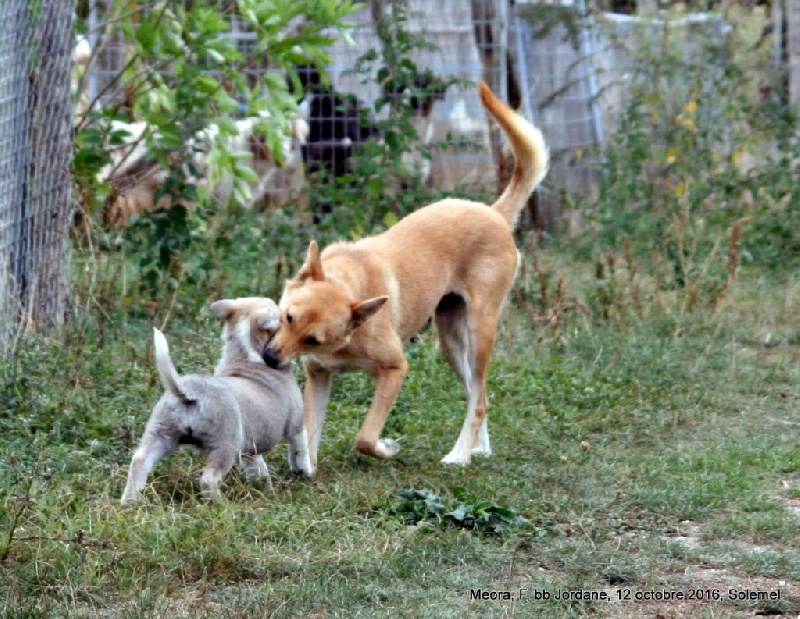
{"type": "Point", "coordinates": [242, 411]}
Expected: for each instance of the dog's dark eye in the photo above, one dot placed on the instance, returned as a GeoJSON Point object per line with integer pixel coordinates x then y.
{"type": "Point", "coordinates": [312, 341]}
{"type": "Point", "coordinates": [289, 318]}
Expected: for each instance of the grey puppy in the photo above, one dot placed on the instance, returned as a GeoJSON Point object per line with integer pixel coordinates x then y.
{"type": "Point", "coordinates": [243, 410]}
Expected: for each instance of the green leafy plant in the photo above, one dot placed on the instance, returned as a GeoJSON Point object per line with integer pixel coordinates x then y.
{"type": "Point", "coordinates": [465, 512]}
{"type": "Point", "coordinates": [185, 81]}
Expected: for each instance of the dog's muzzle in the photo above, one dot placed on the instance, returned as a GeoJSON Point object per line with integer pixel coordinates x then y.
{"type": "Point", "coordinates": [271, 357]}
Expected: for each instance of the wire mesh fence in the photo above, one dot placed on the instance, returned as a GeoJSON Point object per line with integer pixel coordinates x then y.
{"type": "Point", "coordinates": [578, 67]}
{"type": "Point", "coordinates": [36, 43]}
{"type": "Point", "coordinates": [550, 74]}
{"type": "Point", "coordinates": [451, 51]}
{"type": "Point", "coordinates": [463, 43]}
{"type": "Point", "coordinates": [547, 59]}
{"type": "Point", "coordinates": [560, 92]}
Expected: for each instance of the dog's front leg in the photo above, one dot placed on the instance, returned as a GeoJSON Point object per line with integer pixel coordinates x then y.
{"type": "Point", "coordinates": [388, 386]}
{"type": "Point", "coordinates": [315, 402]}
{"type": "Point", "coordinates": [299, 460]}
{"type": "Point", "coordinates": [255, 468]}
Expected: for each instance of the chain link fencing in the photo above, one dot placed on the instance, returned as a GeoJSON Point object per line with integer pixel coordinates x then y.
{"type": "Point", "coordinates": [569, 79]}
{"type": "Point", "coordinates": [36, 42]}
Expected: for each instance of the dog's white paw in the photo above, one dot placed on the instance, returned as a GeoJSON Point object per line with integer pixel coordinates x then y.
{"type": "Point", "coordinates": [387, 448]}
{"type": "Point", "coordinates": [455, 457]}
{"type": "Point", "coordinates": [483, 452]}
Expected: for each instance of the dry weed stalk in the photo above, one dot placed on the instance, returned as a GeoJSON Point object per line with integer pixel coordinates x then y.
{"type": "Point", "coordinates": [636, 296]}
{"type": "Point", "coordinates": [602, 288]}
{"type": "Point", "coordinates": [734, 253]}
{"type": "Point", "coordinates": [618, 292]}
{"type": "Point", "coordinates": [551, 312]}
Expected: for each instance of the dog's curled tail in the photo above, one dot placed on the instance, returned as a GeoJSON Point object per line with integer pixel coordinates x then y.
{"type": "Point", "coordinates": [530, 154]}
{"type": "Point", "coordinates": [166, 369]}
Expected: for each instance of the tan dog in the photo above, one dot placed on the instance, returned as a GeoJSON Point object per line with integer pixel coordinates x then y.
{"type": "Point", "coordinates": [353, 307]}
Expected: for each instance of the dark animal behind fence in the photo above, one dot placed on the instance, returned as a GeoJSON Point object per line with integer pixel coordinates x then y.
{"type": "Point", "coordinates": [338, 125]}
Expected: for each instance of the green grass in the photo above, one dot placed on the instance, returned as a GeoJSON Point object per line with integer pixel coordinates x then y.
{"type": "Point", "coordinates": [688, 482]}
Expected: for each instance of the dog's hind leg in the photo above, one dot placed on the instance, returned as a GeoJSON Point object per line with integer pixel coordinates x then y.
{"type": "Point", "coordinates": [255, 468]}
{"type": "Point", "coordinates": [152, 449]}
{"type": "Point", "coordinates": [219, 463]}
{"type": "Point", "coordinates": [483, 446]}
{"type": "Point", "coordinates": [467, 346]}
{"type": "Point", "coordinates": [299, 459]}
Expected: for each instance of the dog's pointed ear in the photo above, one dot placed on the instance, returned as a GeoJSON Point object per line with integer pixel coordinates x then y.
{"type": "Point", "coordinates": [224, 308]}
{"type": "Point", "coordinates": [361, 312]}
{"type": "Point", "coordinates": [312, 269]}
{"type": "Point", "coordinates": [314, 263]}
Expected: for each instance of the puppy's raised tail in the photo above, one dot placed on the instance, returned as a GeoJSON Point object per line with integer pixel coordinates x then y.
{"type": "Point", "coordinates": [166, 369]}
{"type": "Point", "coordinates": [530, 154]}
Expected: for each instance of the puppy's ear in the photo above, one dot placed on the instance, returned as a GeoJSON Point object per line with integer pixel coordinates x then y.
{"type": "Point", "coordinates": [361, 312]}
{"type": "Point", "coordinates": [270, 320]}
{"type": "Point", "coordinates": [224, 308]}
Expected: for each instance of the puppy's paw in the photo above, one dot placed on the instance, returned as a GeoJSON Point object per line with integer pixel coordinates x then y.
{"type": "Point", "coordinates": [130, 498]}
{"type": "Point", "coordinates": [217, 496]}
{"type": "Point", "coordinates": [308, 472]}
{"type": "Point", "coordinates": [255, 468]}
{"type": "Point", "coordinates": [212, 493]}
{"type": "Point", "coordinates": [303, 468]}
